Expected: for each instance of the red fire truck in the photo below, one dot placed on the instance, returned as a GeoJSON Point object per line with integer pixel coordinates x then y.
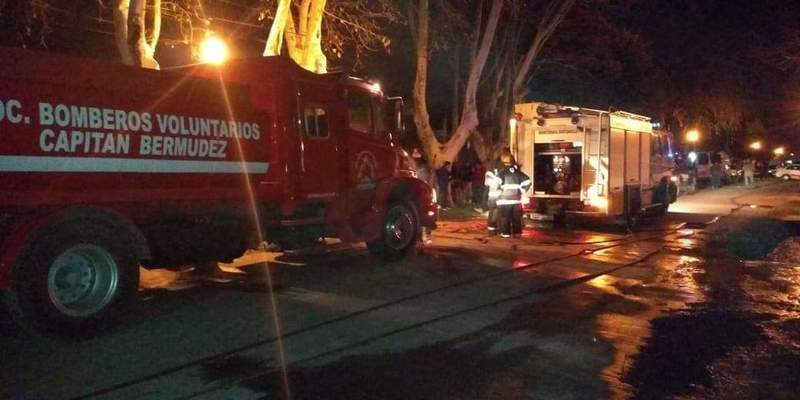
{"type": "Point", "coordinates": [105, 167]}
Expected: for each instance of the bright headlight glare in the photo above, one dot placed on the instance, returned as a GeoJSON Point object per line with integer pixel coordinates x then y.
{"type": "Point", "coordinates": [595, 200]}
{"type": "Point", "coordinates": [599, 202]}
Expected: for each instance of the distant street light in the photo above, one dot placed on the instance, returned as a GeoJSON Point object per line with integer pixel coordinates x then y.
{"type": "Point", "coordinates": [213, 51]}
{"type": "Point", "coordinates": [755, 145]}
{"type": "Point", "coordinates": [692, 136]}
{"type": "Point", "coordinates": [779, 151]}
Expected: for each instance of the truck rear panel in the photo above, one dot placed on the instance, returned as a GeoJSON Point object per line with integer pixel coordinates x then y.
{"type": "Point", "coordinates": [585, 161]}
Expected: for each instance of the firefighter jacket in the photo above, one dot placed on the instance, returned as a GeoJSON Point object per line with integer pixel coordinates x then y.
{"type": "Point", "coordinates": [515, 183]}
{"type": "Point", "coordinates": [493, 182]}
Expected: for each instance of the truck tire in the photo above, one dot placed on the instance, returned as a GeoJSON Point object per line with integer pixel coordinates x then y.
{"type": "Point", "coordinates": [399, 232]}
{"type": "Point", "coordinates": [73, 278]}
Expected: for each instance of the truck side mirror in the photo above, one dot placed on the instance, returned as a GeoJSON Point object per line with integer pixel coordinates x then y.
{"type": "Point", "coordinates": [395, 116]}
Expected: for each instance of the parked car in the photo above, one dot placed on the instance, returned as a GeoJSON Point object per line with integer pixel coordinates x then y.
{"type": "Point", "coordinates": [735, 172]}
{"type": "Point", "coordinates": [786, 172]}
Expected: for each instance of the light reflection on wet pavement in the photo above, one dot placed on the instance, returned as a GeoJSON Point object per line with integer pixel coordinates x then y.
{"type": "Point", "coordinates": [682, 327]}
{"type": "Point", "coordinates": [675, 325]}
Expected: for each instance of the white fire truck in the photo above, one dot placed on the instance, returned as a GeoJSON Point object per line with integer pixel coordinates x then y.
{"type": "Point", "coordinates": [593, 163]}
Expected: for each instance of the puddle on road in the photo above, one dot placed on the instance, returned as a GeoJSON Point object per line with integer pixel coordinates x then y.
{"type": "Point", "coordinates": [741, 339]}
{"type": "Point", "coordinates": [682, 347]}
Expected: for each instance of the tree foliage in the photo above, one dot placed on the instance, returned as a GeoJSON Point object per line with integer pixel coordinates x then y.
{"type": "Point", "coordinates": [349, 29]}
{"type": "Point", "coordinates": [499, 60]}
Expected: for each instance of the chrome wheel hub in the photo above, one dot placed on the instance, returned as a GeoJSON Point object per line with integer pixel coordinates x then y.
{"type": "Point", "coordinates": [82, 280]}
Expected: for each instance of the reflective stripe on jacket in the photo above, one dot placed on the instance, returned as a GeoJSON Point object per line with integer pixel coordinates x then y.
{"type": "Point", "coordinates": [491, 179]}
{"type": "Point", "coordinates": [508, 202]}
{"type": "Point", "coordinates": [515, 183]}
{"type": "Point", "coordinates": [493, 182]}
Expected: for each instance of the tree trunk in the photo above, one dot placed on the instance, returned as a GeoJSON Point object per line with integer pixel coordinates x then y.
{"type": "Point", "coordinates": [315, 60]}
{"type": "Point", "coordinates": [481, 147]}
{"type": "Point", "coordinates": [430, 144]}
{"type": "Point", "coordinates": [131, 30]}
{"type": "Point", "coordinates": [437, 152]}
{"type": "Point", "coordinates": [469, 114]}
{"type": "Point", "coordinates": [121, 31]}
{"type": "Point", "coordinates": [303, 40]}
{"type": "Point", "coordinates": [275, 37]}
{"type": "Point", "coordinates": [456, 86]}
{"type": "Point", "coordinates": [507, 108]}
{"type": "Point", "coordinates": [156, 32]}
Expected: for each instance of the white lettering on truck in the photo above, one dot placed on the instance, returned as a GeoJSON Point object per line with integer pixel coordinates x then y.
{"type": "Point", "coordinates": [10, 110]}
{"type": "Point", "coordinates": [65, 116]}
{"type": "Point", "coordinates": [83, 129]}
{"type": "Point", "coordinates": [181, 147]}
{"type": "Point", "coordinates": [84, 142]}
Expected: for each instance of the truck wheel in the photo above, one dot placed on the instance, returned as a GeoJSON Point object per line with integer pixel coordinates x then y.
{"type": "Point", "coordinates": [73, 278]}
{"type": "Point", "coordinates": [399, 232]}
{"type": "Point", "coordinates": [785, 177]}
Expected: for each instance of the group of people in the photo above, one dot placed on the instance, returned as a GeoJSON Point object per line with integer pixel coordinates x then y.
{"type": "Point", "coordinates": [459, 184]}
{"type": "Point", "coordinates": [717, 171]}
{"type": "Point", "coordinates": [498, 188]}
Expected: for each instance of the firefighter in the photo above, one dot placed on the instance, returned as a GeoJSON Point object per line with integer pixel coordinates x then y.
{"type": "Point", "coordinates": [509, 205]}
{"type": "Point", "coordinates": [492, 181]}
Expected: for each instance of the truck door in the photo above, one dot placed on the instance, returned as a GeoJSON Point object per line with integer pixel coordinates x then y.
{"type": "Point", "coordinates": [370, 153]}
{"type": "Point", "coordinates": [319, 158]}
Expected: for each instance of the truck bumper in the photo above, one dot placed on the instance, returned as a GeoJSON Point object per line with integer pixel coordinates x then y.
{"type": "Point", "coordinates": [587, 214]}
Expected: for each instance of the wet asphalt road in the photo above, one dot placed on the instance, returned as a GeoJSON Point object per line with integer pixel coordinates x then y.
{"type": "Point", "coordinates": [666, 311]}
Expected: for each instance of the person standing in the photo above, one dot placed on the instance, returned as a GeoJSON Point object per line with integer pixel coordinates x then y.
{"type": "Point", "coordinates": [443, 184]}
{"type": "Point", "coordinates": [424, 173]}
{"type": "Point", "coordinates": [748, 169]}
{"type": "Point", "coordinates": [509, 204]}
{"type": "Point", "coordinates": [478, 188]}
{"type": "Point", "coordinates": [716, 175]}
{"type": "Point", "coordinates": [492, 181]}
